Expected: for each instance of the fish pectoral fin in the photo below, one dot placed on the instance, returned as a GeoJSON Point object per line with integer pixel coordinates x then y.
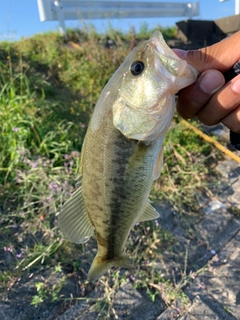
{"type": "Point", "coordinates": [149, 213]}
{"type": "Point", "coordinates": [73, 219]}
{"type": "Point", "coordinates": [159, 165]}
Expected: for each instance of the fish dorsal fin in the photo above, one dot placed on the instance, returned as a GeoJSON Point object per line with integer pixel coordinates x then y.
{"type": "Point", "coordinates": [149, 213]}
{"type": "Point", "coordinates": [159, 164]}
{"type": "Point", "coordinates": [73, 219]}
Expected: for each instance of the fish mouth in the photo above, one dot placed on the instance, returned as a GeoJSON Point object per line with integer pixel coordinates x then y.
{"type": "Point", "coordinates": [158, 43]}
{"type": "Point", "coordinates": [156, 40]}
{"type": "Point", "coordinates": [166, 57]}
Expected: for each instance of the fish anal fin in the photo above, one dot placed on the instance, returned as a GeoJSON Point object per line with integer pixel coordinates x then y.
{"type": "Point", "coordinates": [149, 213]}
{"type": "Point", "coordinates": [159, 164]}
{"type": "Point", "coordinates": [73, 219]}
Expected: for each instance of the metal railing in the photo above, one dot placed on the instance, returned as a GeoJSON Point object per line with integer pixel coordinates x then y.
{"type": "Point", "coordinates": [62, 10]}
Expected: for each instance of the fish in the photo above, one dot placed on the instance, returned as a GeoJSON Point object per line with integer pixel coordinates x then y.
{"type": "Point", "coordinates": [122, 152]}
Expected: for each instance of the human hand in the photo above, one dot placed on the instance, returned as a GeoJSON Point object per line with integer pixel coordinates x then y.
{"type": "Point", "coordinates": [209, 98]}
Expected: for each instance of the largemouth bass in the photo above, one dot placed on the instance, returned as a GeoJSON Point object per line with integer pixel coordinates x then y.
{"type": "Point", "coordinates": [122, 152]}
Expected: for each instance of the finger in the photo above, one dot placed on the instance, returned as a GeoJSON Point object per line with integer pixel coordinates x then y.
{"type": "Point", "coordinates": [194, 97]}
{"type": "Point", "coordinates": [221, 104]}
{"type": "Point", "coordinates": [220, 56]}
{"type": "Point", "coordinates": [232, 120]}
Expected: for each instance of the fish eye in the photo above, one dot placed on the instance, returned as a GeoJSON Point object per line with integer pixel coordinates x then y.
{"type": "Point", "coordinates": [137, 68]}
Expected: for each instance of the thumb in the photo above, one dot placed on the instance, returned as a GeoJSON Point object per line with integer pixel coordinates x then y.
{"type": "Point", "coordinates": [220, 56]}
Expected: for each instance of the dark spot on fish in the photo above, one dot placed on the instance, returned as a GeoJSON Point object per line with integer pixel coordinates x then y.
{"type": "Point", "coordinates": [120, 171]}
{"type": "Point", "coordinates": [102, 242]}
{"type": "Point", "coordinates": [116, 160]}
{"type": "Point", "coordinates": [114, 180]}
{"type": "Point", "coordinates": [100, 208]}
{"type": "Point", "coordinates": [120, 192]}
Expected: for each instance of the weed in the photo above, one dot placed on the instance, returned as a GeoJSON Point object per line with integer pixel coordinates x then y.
{"type": "Point", "coordinates": [48, 88]}
{"type": "Point", "coordinates": [41, 296]}
{"type": "Point", "coordinates": [186, 171]}
{"type": "Point", "coordinates": [145, 32]}
{"type": "Point", "coordinates": [47, 290]}
{"type": "Point", "coordinates": [235, 211]}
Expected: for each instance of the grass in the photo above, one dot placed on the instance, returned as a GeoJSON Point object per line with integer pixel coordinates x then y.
{"type": "Point", "coordinates": [48, 88]}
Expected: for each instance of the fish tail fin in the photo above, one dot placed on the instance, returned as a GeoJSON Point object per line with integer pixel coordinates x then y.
{"type": "Point", "coordinates": [99, 266]}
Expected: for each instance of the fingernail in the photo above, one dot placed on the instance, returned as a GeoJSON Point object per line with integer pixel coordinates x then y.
{"type": "Point", "coordinates": [211, 81]}
{"type": "Point", "coordinates": [236, 85]}
{"type": "Point", "coordinates": [180, 53]}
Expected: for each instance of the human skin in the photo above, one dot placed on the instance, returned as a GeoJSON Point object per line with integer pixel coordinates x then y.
{"type": "Point", "coordinates": [209, 98]}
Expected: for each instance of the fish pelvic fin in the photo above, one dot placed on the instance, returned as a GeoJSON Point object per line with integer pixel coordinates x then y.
{"type": "Point", "coordinates": [149, 213]}
{"type": "Point", "coordinates": [99, 266]}
{"type": "Point", "coordinates": [73, 219]}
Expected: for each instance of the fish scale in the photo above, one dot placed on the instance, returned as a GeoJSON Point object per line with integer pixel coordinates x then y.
{"type": "Point", "coordinates": [121, 181]}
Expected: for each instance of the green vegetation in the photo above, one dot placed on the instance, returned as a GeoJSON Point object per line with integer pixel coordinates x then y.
{"type": "Point", "coordinates": [48, 88]}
